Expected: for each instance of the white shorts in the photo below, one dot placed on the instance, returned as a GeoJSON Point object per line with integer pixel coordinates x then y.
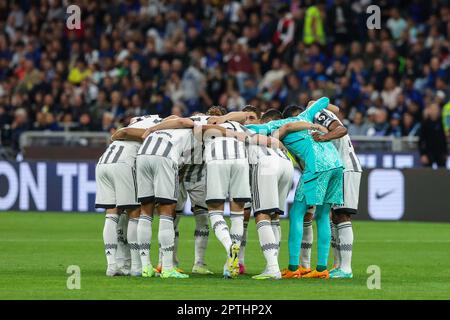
{"type": "Point", "coordinates": [270, 184]}
{"type": "Point", "coordinates": [352, 181]}
{"type": "Point", "coordinates": [227, 179]}
{"type": "Point", "coordinates": [116, 186]}
{"type": "Point", "coordinates": [157, 179]}
{"type": "Point", "coordinates": [196, 192]}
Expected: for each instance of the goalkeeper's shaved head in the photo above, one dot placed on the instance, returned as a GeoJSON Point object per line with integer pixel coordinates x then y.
{"type": "Point", "coordinates": [270, 115]}
{"type": "Point", "coordinates": [292, 111]}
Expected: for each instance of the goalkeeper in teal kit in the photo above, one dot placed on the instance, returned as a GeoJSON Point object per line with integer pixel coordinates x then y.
{"type": "Point", "coordinates": [320, 185]}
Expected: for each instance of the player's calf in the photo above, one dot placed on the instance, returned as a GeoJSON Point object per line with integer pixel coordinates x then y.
{"type": "Point", "coordinates": [269, 247]}
{"type": "Point", "coordinates": [144, 236]}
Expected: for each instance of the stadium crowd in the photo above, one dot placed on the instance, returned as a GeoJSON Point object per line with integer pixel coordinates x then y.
{"type": "Point", "coordinates": [177, 57]}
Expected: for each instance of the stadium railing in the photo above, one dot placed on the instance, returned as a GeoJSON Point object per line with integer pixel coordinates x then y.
{"type": "Point", "coordinates": [63, 145]}
{"type": "Point", "coordinates": [386, 144]}
{"type": "Point", "coordinates": [64, 138]}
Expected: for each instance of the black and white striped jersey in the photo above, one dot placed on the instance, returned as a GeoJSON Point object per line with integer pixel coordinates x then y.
{"type": "Point", "coordinates": [120, 152]}
{"type": "Point", "coordinates": [343, 145]}
{"type": "Point", "coordinates": [225, 148]}
{"type": "Point", "coordinates": [193, 158]}
{"type": "Point", "coordinates": [126, 151]}
{"type": "Point", "coordinates": [145, 122]}
{"type": "Point", "coordinates": [200, 120]}
{"type": "Point", "coordinates": [171, 143]}
{"type": "Point", "coordinates": [256, 152]}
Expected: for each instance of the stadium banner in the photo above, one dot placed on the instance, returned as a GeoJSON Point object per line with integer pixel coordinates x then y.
{"type": "Point", "coordinates": [407, 194]}
{"type": "Point", "coordinates": [386, 194]}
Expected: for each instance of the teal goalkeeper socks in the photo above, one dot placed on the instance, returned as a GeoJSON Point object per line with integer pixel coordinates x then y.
{"type": "Point", "coordinates": [321, 268]}
{"type": "Point", "coordinates": [323, 234]}
{"type": "Point", "coordinates": [293, 267]}
{"type": "Point", "coordinates": [296, 215]}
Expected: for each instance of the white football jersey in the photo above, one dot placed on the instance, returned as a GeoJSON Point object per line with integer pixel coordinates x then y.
{"type": "Point", "coordinates": [145, 122]}
{"type": "Point", "coordinates": [126, 151]}
{"type": "Point", "coordinates": [171, 143]}
{"type": "Point", "coordinates": [343, 145]}
{"type": "Point", "coordinates": [257, 152]}
{"type": "Point", "coordinates": [224, 148]}
{"type": "Point", "coordinates": [194, 156]}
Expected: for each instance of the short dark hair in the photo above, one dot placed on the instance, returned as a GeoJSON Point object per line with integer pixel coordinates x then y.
{"type": "Point", "coordinates": [217, 111]}
{"type": "Point", "coordinates": [271, 114]}
{"type": "Point", "coordinates": [292, 110]}
{"type": "Point", "coordinates": [250, 108]}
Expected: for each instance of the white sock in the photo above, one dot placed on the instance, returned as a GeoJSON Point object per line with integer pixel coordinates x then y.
{"type": "Point", "coordinates": [276, 228]}
{"type": "Point", "coordinates": [177, 237]}
{"type": "Point", "coordinates": [269, 245]}
{"type": "Point", "coordinates": [335, 245]}
{"type": "Point", "coordinates": [110, 237]}
{"type": "Point", "coordinates": [201, 236]}
{"type": "Point", "coordinates": [237, 227]}
{"type": "Point", "coordinates": [159, 254]}
{"type": "Point", "coordinates": [133, 243]}
{"type": "Point", "coordinates": [243, 244]}
{"type": "Point", "coordinates": [345, 234]}
{"type": "Point", "coordinates": [123, 254]}
{"type": "Point", "coordinates": [305, 255]}
{"type": "Point", "coordinates": [166, 237]}
{"type": "Point", "coordinates": [220, 229]}
{"type": "Point", "coordinates": [144, 239]}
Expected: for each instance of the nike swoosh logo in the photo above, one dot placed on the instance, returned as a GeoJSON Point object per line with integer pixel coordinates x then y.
{"type": "Point", "coordinates": [382, 195]}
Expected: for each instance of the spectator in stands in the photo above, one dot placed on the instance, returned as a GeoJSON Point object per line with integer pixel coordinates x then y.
{"type": "Point", "coordinates": [380, 123]}
{"type": "Point", "coordinates": [358, 127]}
{"type": "Point", "coordinates": [340, 20]}
{"type": "Point", "coordinates": [410, 127]}
{"type": "Point", "coordinates": [240, 65]}
{"type": "Point", "coordinates": [396, 23]}
{"type": "Point", "coordinates": [394, 129]}
{"type": "Point", "coordinates": [19, 125]}
{"type": "Point", "coordinates": [108, 122]}
{"type": "Point", "coordinates": [433, 143]}
{"type": "Point", "coordinates": [85, 123]}
{"type": "Point", "coordinates": [390, 93]}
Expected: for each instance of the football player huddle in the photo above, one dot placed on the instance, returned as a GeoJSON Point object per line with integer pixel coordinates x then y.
{"type": "Point", "coordinates": [247, 158]}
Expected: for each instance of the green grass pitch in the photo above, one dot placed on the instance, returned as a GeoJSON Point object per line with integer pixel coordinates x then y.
{"type": "Point", "coordinates": [37, 248]}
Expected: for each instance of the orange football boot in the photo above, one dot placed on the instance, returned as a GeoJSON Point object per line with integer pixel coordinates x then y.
{"type": "Point", "coordinates": [304, 270]}
{"type": "Point", "coordinates": [317, 274]}
{"type": "Point", "coordinates": [288, 274]}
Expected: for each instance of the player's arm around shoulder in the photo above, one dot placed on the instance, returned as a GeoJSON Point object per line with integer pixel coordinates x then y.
{"type": "Point", "coordinates": [294, 127]}
{"type": "Point", "coordinates": [238, 116]}
{"type": "Point", "coordinates": [335, 131]}
{"type": "Point", "coordinates": [174, 123]}
{"type": "Point", "coordinates": [277, 144]}
{"type": "Point", "coordinates": [128, 134]}
{"type": "Point", "coordinates": [214, 130]}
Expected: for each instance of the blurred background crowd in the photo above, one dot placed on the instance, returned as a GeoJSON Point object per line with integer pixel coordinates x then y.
{"type": "Point", "coordinates": [134, 57]}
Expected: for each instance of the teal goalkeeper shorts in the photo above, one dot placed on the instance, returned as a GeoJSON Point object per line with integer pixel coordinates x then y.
{"type": "Point", "coordinates": [322, 187]}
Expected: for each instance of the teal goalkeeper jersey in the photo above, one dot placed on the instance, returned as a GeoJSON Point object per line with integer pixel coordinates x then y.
{"type": "Point", "coordinates": [318, 156]}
